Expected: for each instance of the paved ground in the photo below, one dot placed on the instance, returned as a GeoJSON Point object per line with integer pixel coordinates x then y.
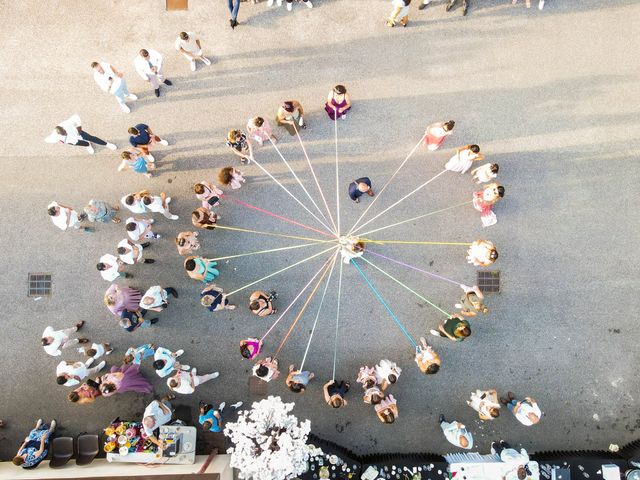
{"type": "Point", "coordinates": [550, 96]}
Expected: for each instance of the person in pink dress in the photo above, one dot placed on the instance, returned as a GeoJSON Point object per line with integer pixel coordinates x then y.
{"type": "Point", "coordinates": [119, 298]}
{"type": "Point", "coordinates": [483, 201]}
{"type": "Point", "coordinates": [207, 193]}
{"type": "Point", "coordinates": [126, 378]}
{"type": "Point", "coordinates": [231, 177]}
{"type": "Point", "coordinates": [436, 133]}
{"type": "Point", "coordinates": [260, 130]}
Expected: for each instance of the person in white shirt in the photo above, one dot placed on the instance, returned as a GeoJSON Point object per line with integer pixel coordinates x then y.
{"type": "Point", "coordinates": [111, 268]}
{"type": "Point", "coordinates": [112, 81]}
{"type": "Point", "coordinates": [165, 361]}
{"type": "Point", "coordinates": [54, 341]}
{"type": "Point", "coordinates": [71, 374]}
{"type": "Point", "coordinates": [290, 4]}
{"type": "Point", "coordinates": [156, 298]}
{"type": "Point", "coordinates": [485, 402]}
{"type": "Point", "coordinates": [266, 369]}
{"type": "Point", "coordinates": [64, 217]}
{"type": "Point", "coordinates": [186, 382]}
{"type": "Point", "coordinates": [157, 414]}
{"type": "Point", "coordinates": [131, 252]}
{"type": "Point", "coordinates": [387, 373]}
{"type": "Point", "coordinates": [485, 173]}
{"type": "Point", "coordinates": [138, 228]}
{"type": "Point", "coordinates": [96, 350]}
{"type": "Point", "coordinates": [70, 132]}
{"type": "Point", "coordinates": [456, 433]}
{"type": "Point", "coordinates": [188, 44]}
{"type": "Point", "coordinates": [482, 253]}
{"type": "Point", "coordinates": [133, 201]}
{"type": "Point", "coordinates": [517, 460]}
{"type": "Point", "coordinates": [526, 411]}
{"type": "Point", "coordinates": [159, 204]}
{"type": "Point", "coordinates": [148, 64]}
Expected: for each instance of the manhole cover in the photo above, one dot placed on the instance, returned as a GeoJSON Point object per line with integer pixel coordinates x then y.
{"type": "Point", "coordinates": [489, 282]}
{"type": "Point", "coordinates": [257, 387]}
{"type": "Point", "coordinates": [39, 284]}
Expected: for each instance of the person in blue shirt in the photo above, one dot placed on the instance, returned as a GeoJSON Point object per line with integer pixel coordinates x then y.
{"type": "Point", "coordinates": [359, 187]}
{"type": "Point", "coordinates": [210, 418]}
{"type": "Point", "coordinates": [135, 355]}
{"type": "Point", "coordinates": [35, 447]}
{"type": "Point", "coordinates": [142, 137]}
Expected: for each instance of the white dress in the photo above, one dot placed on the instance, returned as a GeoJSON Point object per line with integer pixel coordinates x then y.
{"type": "Point", "coordinates": [484, 174]}
{"type": "Point", "coordinates": [461, 161]}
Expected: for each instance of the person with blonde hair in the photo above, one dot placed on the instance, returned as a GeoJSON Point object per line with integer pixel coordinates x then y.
{"type": "Point", "coordinates": [214, 299]}
{"type": "Point", "coordinates": [187, 242]}
{"type": "Point", "coordinates": [485, 402]}
{"type": "Point", "coordinates": [482, 253]}
{"type": "Point", "coordinates": [471, 302]}
{"type": "Point", "coordinates": [135, 160]}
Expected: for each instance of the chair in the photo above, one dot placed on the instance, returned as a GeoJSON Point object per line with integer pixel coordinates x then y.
{"type": "Point", "coordinates": [87, 447]}
{"type": "Point", "coordinates": [61, 451]}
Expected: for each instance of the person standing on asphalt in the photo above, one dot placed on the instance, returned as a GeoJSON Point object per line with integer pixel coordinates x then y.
{"type": "Point", "coordinates": [387, 409]}
{"type": "Point", "coordinates": [261, 303]}
{"type": "Point", "coordinates": [202, 269]}
{"type": "Point", "coordinates": [399, 14]}
{"type": "Point", "coordinates": [64, 217]}
{"type": "Point", "coordinates": [54, 341]}
{"type": "Point", "coordinates": [70, 374]}
{"type": "Point", "coordinates": [207, 193]}
{"type": "Point", "coordinates": [188, 44]}
{"type": "Point", "coordinates": [464, 158]}
{"type": "Point", "coordinates": [436, 133]}
{"type": "Point", "coordinates": [70, 132]}
{"type": "Point", "coordinates": [148, 64]}
{"type": "Point", "coordinates": [359, 187]}
{"type": "Point", "coordinates": [518, 461]}
{"type": "Point", "coordinates": [452, 3]}
{"type": "Point", "coordinates": [306, 2]}
{"type": "Point", "coordinates": [131, 253]}
{"type": "Point", "coordinates": [165, 361]}
{"type": "Point", "coordinates": [138, 228]}
{"type": "Point", "coordinates": [471, 302]}
{"type": "Point", "coordinates": [260, 130]}
{"type": "Point", "coordinates": [134, 159]}
{"type": "Point", "coordinates": [234, 7]}
{"type": "Point", "coordinates": [456, 433]}
{"type": "Point", "coordinates": [485, 173]}
{"type": "Point", "coordinates": [214, 299]}
{"type": "Point", "coordinates": [159, 204]}
{"type": "Point", "coordinates": [96, 350]}
{"type": "Point", "coordinates": [187, 242]}
{"type": "Point", "coordinates": [338, 103]}
{"type": "Point", "coordinates": [142, 138]}
{"type": "Point", "coordinates": [528, 3]}
{"type": "Point", "coordinates": [426, 358]}
{"type": "Point", "coordinates": [112, 81]}
{"type": "Point", "coordinates": [240, 145]}
{"type": "Point", "coordinates": [454, 328]}
{"type": "Point", "coordinates": [297, 380]}
{"type": "Point", "coordinates": [133, 201]}
{"type": "Point", "coordinates": [203, 217]}
{"type": "Point", "coordinates": [131, 320]}
{"type": "Point", "coordinates": [157, 414]}
{"type": "Point", "coordinates": [186, 382]}
{"type": "Point", "coordinates": [231, 177]}
{"type": "Point", "coordinates": [211, 419]}
{"type": "Point", "coordinates": [526, 411]}
{"type": "Point", "coordinates": [266, 369]}
{"type": "Point", "coordinates": [111, 268]}
{"type": "Point", "coordinates": [289, 114]}
{"type": "Point", "coordinates": [156, 298]}
{"type": "Point", "coordinates": [99, 211]}
{"type": "Point", "coordinates": [485, 402]}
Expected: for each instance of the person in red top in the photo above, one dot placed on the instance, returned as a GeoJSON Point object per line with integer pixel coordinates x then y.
{"type": "Point", "coordinates": [436, 133]}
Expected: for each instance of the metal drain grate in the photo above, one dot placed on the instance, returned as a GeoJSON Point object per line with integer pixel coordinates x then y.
{"type": "Point", "coordinates": [489, 282]}
{"type": "Point", "coordinates": [39, 284]}
{"type": "Point", "coordinates": [257, 387]}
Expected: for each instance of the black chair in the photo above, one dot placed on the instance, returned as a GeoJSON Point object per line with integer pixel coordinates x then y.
{"type": "Point", "coordinates": [88, 447]}
{"type": "Point", "coordinates": [61, 451]}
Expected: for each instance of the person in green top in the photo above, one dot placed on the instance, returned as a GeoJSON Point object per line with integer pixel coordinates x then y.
{"type": "Point", "coordinates": [454, 328]}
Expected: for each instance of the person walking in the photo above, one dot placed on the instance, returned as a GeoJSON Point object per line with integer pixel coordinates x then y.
{"type": "Point", "coordinates": [482, 253]}
{"type": "Point", "coordinates": [135, 160]}
{"type": "Point", "coordinates": [119, 298]}
{"type": "Point", "coordinates": [54, 341]}
{"type": "Point", "coordinates": [266, 369]}
{"type": "Point", "coordinates": [138, 228]}
{"type": "Point", "coordinates": [456, 433]}
{"type": "Point", "coordinates": [484, 200]}
{"type": "Point", "coordinates": [131, 320]}
{"type": "Point", "coordinates": [148, 64]}
{"type": "Point", "coordinates": [289, 114]}
{"type": "Point", "coordinates": [111, 268]}
{"type": "Point", "coordinates": [334, 393]}
{"type": "Point", "coordinates": [207, 193]}
{"type": "Point", "coordinates": [126, 378]}
{"type": "Point", "coordinates": [240, 145]}
{"type": "Point", "coordinates": [70, 132]}
{"type": "Point", "coordinates": [426, 358]}
{"type": "Point", "coordinates": [485, 402]}
{"type": "Point", "coordinates": [133, 201]}
{"type": "Point", "coordinates": [70, 374]}
{"type": "Point", "coordinates": [463, 159]}
{"type": "Point", "coordinates": [185, 383]}
{"type": "Point", "coordinates": [204, 218]}
{"type": "Point", "coordinates": [156, 298]}
{"type": "Point", "coordinates": [454, 328]}
{"type": "Point", "coordinates": [165, 361]}
{"type": "Point", "coordinates": [338, 103]}
{"type": "Point", "coordinates": [261, 303]}
{"type": "Point", "coordinates": [297, 380]}
{"type": "Point", "coordinates": [452, 3]}
{"type": "Point", "coordinates": [399, 14]}
{"type": "Point", "coordinates": [214, 299]}
{"type": "Point", "coordinates": [518, 461]}
{"type": "Point", "coordinates": [188, 44]}
{"type": "Point", "coordinates": [359, 187]}
{"type": "Point", "coordinates": [156, 414]}
{"type": "Point", "coordinates": [211, 419]}
{"type": "Point", "coordinates": [141, 137]}
{"type": "Point", "coordinates": [187, 242]}
{"type": "Point", "coordinates": [387, 409]}
{"type": "Point", "coordinates": [485, 173]}
{"type": "Point", "coordinates": [96, 350]}
{"type": "Point", "coordinates": [99, 211]}
{"type": "Point", "coordinates": [232, 177]}
{"type": "Point", "coordinates": [526, 411]}
{"type": "Point", "coordinates": [159, 204]}
{"type": "Point", "coordinates": [35, 447]}
{"type": "Point", "coordinates": [387, 373]}
{"type": "Point", "coordinates": [137, 354]}
{"type": "Point", "coordinates": [202, 269]}
{"type": "Point", "coordinates": [65, 217]}
{"type": "Point", "coordinates": [112, 81]}
{"type": "Point", "coordinates": [234, 7]}
{"type": "Point", "coordinates": [471, 302]}
{"type": "Point", "coordinates": [131, 252]}
{"type": "Point", "coordinates": [260, 130]}
{"type": "Point", "coordinates": [436, 133]}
